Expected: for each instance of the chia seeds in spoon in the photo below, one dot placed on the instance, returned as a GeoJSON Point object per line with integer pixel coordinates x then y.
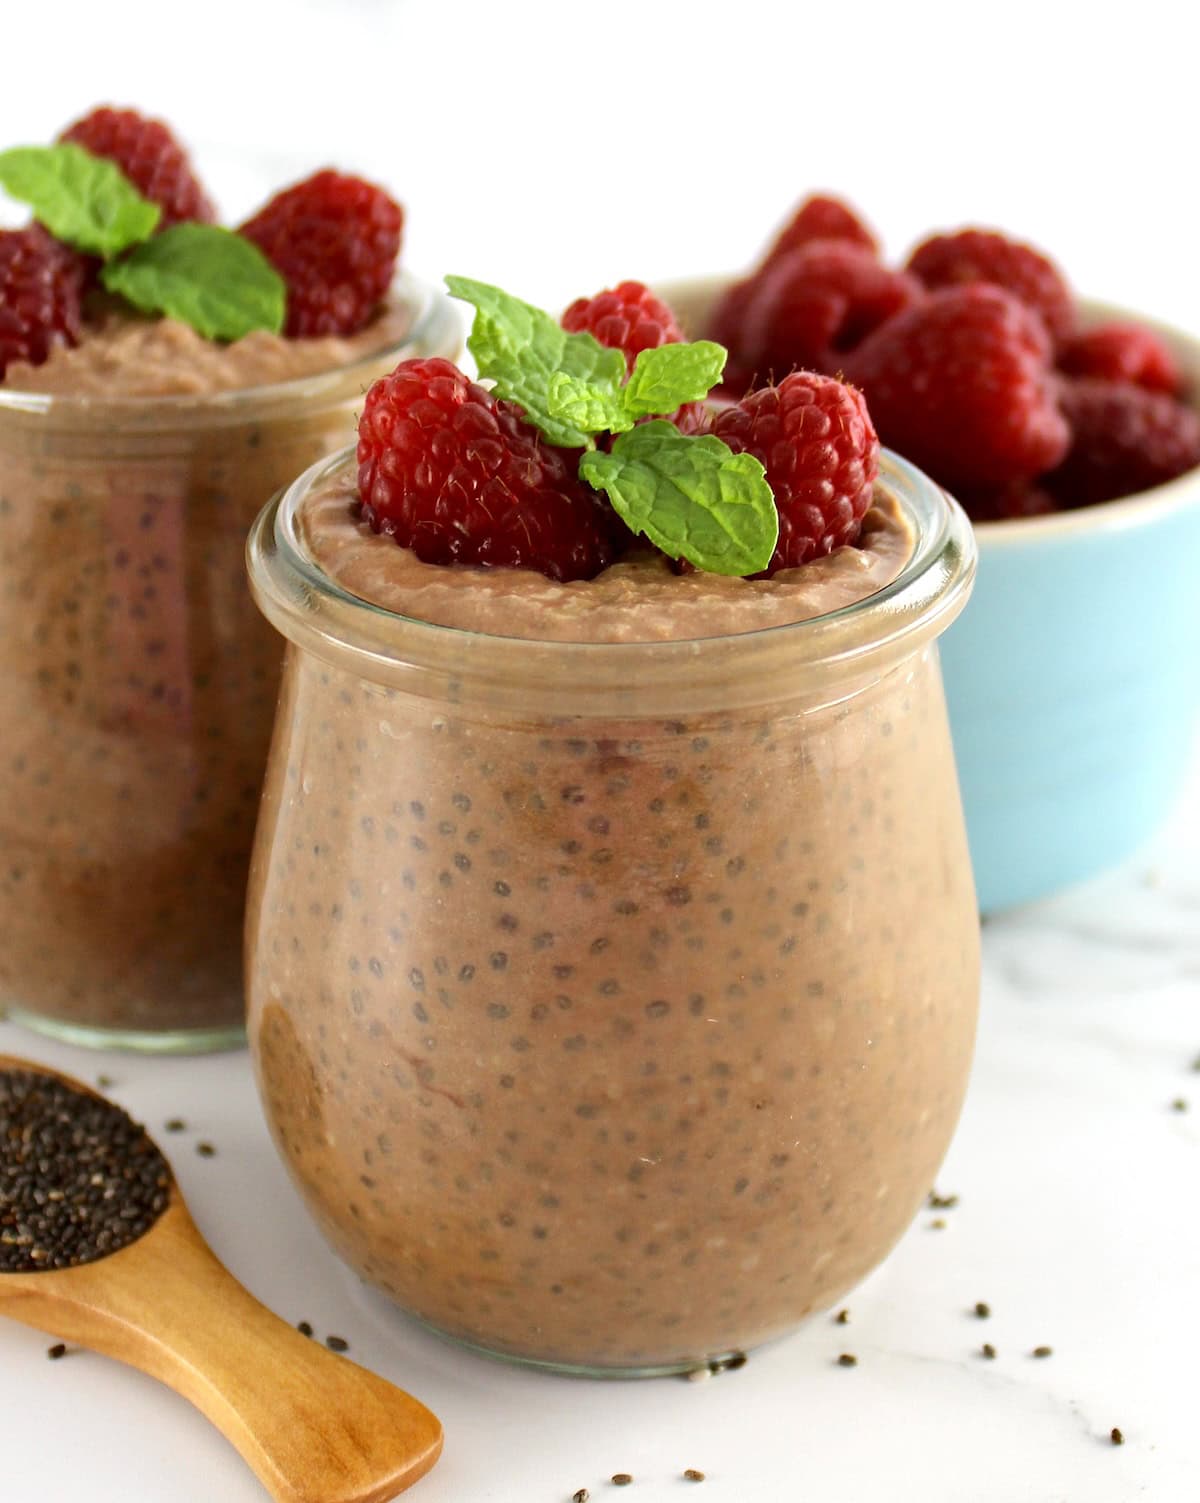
{"type": "Point", "coordinates": [79, 1179]}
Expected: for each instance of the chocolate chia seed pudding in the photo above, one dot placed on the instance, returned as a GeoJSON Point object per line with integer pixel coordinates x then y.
{"type": "Point", "coordinates": [138, 680]}
{"type": "Point", "coordinates": [612, 998]}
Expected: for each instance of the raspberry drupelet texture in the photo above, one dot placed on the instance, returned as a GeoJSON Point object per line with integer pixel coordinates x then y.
{"type": "Point", "coordinates": [806, 310]}
{"type": "Point", "coordinates": [458, 477]}
{"type": "Point", "coordinates": [334, 239]}
{"type": "Point", "coordinates": [814, 437]}
{"type": "Point", "coordinates": [150, 157]}
{"type": "Point", "coordinates": [630, 318]}
{"type": "Point", "coordinates": [985, 256]}
{"type": "Point", "coordinates": [627, 317]}
{"type": "Point", "coordinates": [822, 218]}
{"type": "Point", "coordinates": [1122, 352]}
{"type": "Point", "coordinates": [1125, 439]}
{"type": "Point", "coordinates": [960, 384]}
{"type": "Point", "coordinates": [41, 289]}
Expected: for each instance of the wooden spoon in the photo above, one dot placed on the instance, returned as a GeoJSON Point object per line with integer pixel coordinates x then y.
{"type": "Point", "coordinates": [315, 1427]}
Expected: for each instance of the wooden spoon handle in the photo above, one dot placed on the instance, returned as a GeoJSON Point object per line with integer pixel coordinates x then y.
{"type": "Point", "coordinates": [314, 1427]}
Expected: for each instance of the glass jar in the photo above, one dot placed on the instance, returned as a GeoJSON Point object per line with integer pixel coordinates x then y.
{"type": "Point", "coordinates": [612, 1005]}
{"type": "Point", "coordinates": [138, 684]}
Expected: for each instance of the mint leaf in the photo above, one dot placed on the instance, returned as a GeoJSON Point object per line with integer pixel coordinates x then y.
{"type": "Point", "coordinates": [585, 406]}
{"type": "Point", "coordinates": [83, 199]}
{"type": "Point", "coordinates": [211, 278]}
{"type": "Point", "coordinates": [693, 497]}
{"type": "Point", "coordinates": [666, 378]}
{"type": "Point", "coordinates": [519, 348]}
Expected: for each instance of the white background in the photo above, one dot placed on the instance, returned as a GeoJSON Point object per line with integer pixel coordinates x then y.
{"type": "Point", "coordinates": [556, 148]}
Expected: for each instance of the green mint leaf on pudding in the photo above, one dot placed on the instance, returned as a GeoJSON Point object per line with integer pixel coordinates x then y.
{"type": "Point", "coordinates": [519, 348]}
{"type": "Point", "coordinates": [80, 198]}
{"type": "Point", "coordinates": [691, 496]}
{"type": "Point", "coordinates": [213, 279]}
{"type": "Point", "coordinates": [587, 406]}
{"type": "Point", "coordinates": [665, 378]}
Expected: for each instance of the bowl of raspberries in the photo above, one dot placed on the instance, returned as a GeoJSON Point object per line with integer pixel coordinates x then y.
{"type": "Point", "coordinates": [1070, 433]}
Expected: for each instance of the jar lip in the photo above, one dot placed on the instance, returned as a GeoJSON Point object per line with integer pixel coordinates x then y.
{"type": "Point", "coordinates": [434, 322]}
{"type": "Point", "coordinates": [310, 608]}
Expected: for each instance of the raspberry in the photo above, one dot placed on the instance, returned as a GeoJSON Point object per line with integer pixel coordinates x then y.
{"type": "Point", "coordinates": [1122, 352]}
{"type": "Point", "coordinates": [1125, 439]}
{"type": "Point", "coordinates": [454, 474]}
{"type": "Point", "coordinates": [628, 317]}
{"type": "Point", "coordinates": [822, 218]}
{"type": "Point", "coordinates": [814, 437]}
{"type": "Point", "coordinates": [985, 256]}
{"type": "Point", "coordinates": [334, 240]}
{"type": "Point", "coordinates": [41, 288]}
{"type": "Point", "coordinates": [961, 385]}
{"type": "Point", "coordinates": [808, 308]}
{"type": "Point", "coordinates": [150, 157]}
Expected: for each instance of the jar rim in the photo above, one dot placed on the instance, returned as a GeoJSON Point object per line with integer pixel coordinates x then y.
{"type": "Point", "coordinates": [315, 612]}
{"type": "Point", "coordinates": [434, 325]}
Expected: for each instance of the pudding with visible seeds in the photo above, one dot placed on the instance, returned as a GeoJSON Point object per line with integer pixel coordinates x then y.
{"type": "Point", "coordinates": [612, 984]}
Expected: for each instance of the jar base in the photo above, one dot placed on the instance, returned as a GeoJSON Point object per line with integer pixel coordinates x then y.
{"type": "Point", "coordinates": [133, 1040]}
{"type": "Point", "coordinates": [685, 1367]}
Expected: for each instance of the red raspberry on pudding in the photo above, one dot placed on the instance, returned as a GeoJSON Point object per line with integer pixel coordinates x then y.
{"type": "Point", "coordinates": [454, 474]}
{"type": "Point", "coordinates": [960, 384]}
{"type": "Point", "coordinates": [814, 437]}
{"type": "Point", "coordinates": [807, 309]}
{"type": "Point", "coordinates": [334, 239]}
{"type": "Point", "coordinates": [821, 217]}
{"type": "Point", "coordinates": [973, 256]}
{"type": "Point", "coordinates": [150, 157]}
{"type": "Point", "coordinates": [1125, 439]}
{"type": "Point", "coordinates": [41, 290]}
{"type": "Point", "coordinates": [1122, 352]}
{"type": "Point", "coordinates": [627, 317]}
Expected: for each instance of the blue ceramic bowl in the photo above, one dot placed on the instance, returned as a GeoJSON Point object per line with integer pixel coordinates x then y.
{"type": "Point", "coordinates": [1073, 680]}
{"type": "Point", "coordinates": [1073, 674]}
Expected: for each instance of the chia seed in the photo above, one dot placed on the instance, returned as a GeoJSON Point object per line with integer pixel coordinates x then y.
{"type": "Point", "coordinates": [1116, 1436]}
{"type": "Point", "coordinates": [982, 1310]}
{"type": "Point", "coordinates": [988, 1350]}
{"type": "Point", "coordinates": [206, 1150]}
{"type": "Point", "coordinates": [56, 1351]}
{"type": "Point", "coordinates": [79, 1179]}
{"type": "Point", "coordinates": [1043, 1351]}
{"type": "Point", "coordinates": [621, 1479]}
{"type": "Point", "coordinates": [305, 1328]}
{"type": "Point", "coordinates": [692, 1475]}
{"type": "Point", "coordinates": [337, 1343]}
{"type": "Point", "coordinates": [842, 1318]}
{"type": "Point", "coordinates": [581, 1496]}
{"type": "Point", "coordinates": [847, 1359]}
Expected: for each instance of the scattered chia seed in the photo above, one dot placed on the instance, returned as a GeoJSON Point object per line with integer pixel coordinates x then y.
{"type": "Point", "coordinates": [206, 1150]}
{"type": "Point", "coordinates": [581, 1496]}
{"type": "Point", "coordinates": [988, 1350]}
{"type": "Point", "coordinates": [56, 1351]}
{"type": "Point", "coordinates": [79, 1179]}
{"type": "Point", "coordinates": [176, 1124]}
{"type": "Point", "coordinates": [105, 1082]}
{"type": "Point", "coordinates": [938, 1224]}
{"type": "Point", "coordinates": [982, 1310]}
{"type": "Point", "coordinates": [621, 1479]}
{"type": "Point", "coordinates": [337, 1343]}
{"type": "Point", "coordinates": [305, 1328]}
{"type": "Point", "coordinates": [1179, 1105]}
{"type": "Point", "coordinates": [1043, 1351]}
{"type": "Point", "coordinates": [842, 1318]}
{"type": "Point", "coordinates": [942, 1202]}
{"type": "Point", "coordinates": [692, 1475]}
{"type": "Point", "coordinates": [847, 1359]}
{"type": "Point", "coordinates": [728, 1364]}
{"type": "Point", "coordinates": [1117, 1438]}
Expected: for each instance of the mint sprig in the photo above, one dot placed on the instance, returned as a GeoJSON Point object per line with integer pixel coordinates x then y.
{"type": "Point", "coordinates": [218, 282]}
{"type": "Point", "coordinates": [213, 279]}
{"type": "Point", "coordinates": [690, 495]}
{"type": "Point", "coordinates": [83, 199]}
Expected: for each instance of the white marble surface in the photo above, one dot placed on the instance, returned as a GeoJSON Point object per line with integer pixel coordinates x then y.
{"type": "Point", "coordinates": [1078, 1222]}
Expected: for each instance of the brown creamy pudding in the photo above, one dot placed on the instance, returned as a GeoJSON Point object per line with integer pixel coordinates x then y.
{"type": "Point", "coordinates": [138, 680]}
{"type": "Point", "coordinates": [612, 1004]}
